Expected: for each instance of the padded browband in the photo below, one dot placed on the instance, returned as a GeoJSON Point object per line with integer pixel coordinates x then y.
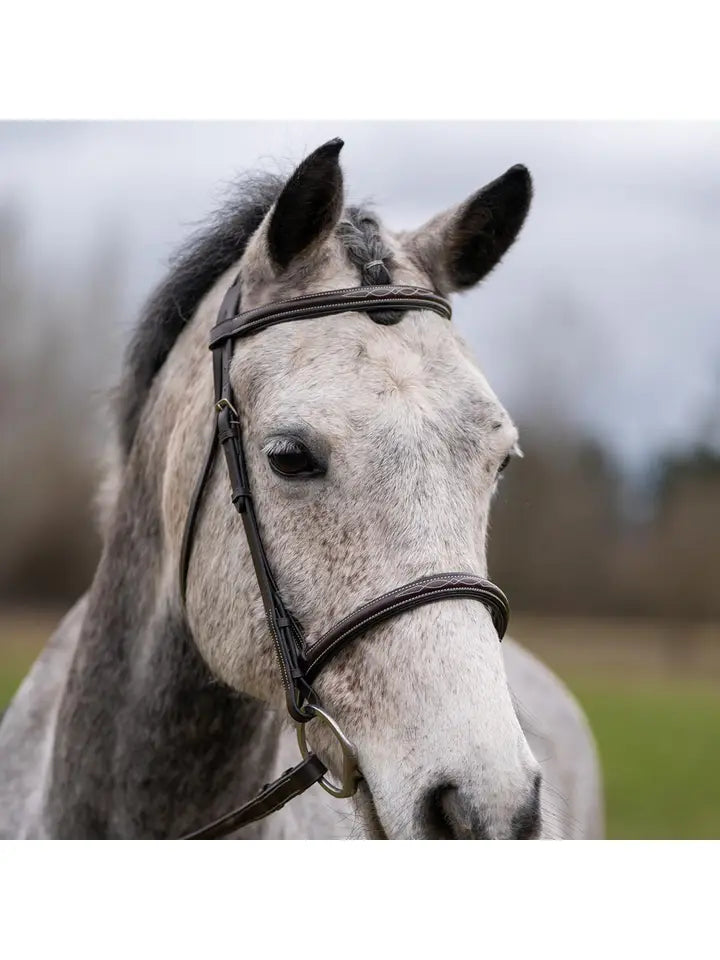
{"type": "Point", "coordinates": [441, 586]}
{"type": "Point", "coordinates": [312, 305]}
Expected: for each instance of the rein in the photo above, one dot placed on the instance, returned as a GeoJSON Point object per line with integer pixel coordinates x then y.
{"type": "Point", "coordinates": [299, 661]}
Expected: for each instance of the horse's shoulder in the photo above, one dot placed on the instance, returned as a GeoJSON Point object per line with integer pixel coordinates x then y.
{"type": "Point", "coordinates": [27, 730]}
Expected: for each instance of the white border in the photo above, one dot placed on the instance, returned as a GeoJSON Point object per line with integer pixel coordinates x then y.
{"type": "Point", "coordinates": [348, 900]}
{"type": "Point", "coordinates": [323, 59]}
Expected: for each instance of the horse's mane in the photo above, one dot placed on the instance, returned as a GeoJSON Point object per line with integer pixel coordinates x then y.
{"type": "Point", "coordinates": [198, 264]}
{"type": "Point", "coordinates": [194, 269]}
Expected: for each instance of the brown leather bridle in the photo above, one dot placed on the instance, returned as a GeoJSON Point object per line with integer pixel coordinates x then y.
{"type": "Point", "coordinates": [300, 661]}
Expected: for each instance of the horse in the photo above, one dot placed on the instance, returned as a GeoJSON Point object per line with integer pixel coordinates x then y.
{"type": "Point", "coordinates": [374, 447]}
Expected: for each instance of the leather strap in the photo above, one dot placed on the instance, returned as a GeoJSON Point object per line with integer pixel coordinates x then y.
{"type": "Point", "coordinates": [284, 629]}
{"type": "Point", "coordinates": [442, 586]}
{"type": "Point", "coordinates": [272, 797]}
{"type": "Point", "coordinates": [312, 305]}
{"type": "Point", "coordinates": [194, 510]}
{"type": "Point", "coordinates": [228, 308]}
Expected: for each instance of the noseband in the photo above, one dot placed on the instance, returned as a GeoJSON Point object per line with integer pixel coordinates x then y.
{"type": "Point", "coordinates": [300, 661]}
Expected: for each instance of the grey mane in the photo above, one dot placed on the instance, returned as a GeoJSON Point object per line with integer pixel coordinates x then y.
{"type": "Point", "coordinates": [195, 268]}
{"type": "Point", "coordinates": [201, 261]}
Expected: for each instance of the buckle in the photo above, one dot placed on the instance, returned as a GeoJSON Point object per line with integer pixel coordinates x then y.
{"type": "Point", "coordinates": [224, 404]}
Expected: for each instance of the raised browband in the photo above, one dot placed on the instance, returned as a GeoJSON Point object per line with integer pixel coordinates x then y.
{"type": "Point", "coordinates": [309, 306]}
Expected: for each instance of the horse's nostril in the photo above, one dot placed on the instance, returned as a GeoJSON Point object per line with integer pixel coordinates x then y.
{"type": "Point", "coordinates": [450, 817]}
{"type": "Point", "coordinates": [438, 821]}
{"type": "Point", "coordinates": [526, 822]}
{"type": "Point", "coordinates": [450, 814]}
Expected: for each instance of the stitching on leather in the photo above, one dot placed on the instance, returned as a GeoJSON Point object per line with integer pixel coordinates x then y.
{"type": "Point", "coordinates": [438, 306]}
{"type": "Point", "coordinates": [485, 599]}
{"type": "Point", "coordinates": [262, 813]}
{"type": "Point", "coordinates": [385, 288]}
{"type": "Point", "coordinates": [448, 582]}
{"type": "Point", "coordinates": [447, 579]}
{"type": "Point", "coordinates": [283, 314]}
{"type": "Point", "coordinates": [281, 803]}
{"type": "Point", "coordinates": [352, 292]}
{"type": "Point", "coordinates": [368, 620]}
{"type": "Point", "coordinates": [322, 310]}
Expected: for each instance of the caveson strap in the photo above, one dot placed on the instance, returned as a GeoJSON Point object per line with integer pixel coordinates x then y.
{"type": "Point", "coordinates": [273, 796]}
{"type": "Point", "coordinates": [430, 589]}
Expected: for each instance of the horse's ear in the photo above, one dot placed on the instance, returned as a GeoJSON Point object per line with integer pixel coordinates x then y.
{"type": "Point", "coordinates": [309, 206]}
{"type": "Point", "coordinates": [459, 247]}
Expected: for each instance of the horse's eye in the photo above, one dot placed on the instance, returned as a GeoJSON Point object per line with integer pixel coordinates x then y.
{"type": "Point", "coordinates": [291, 458]}
{"type": "Point", "coordinates": [505, 462]}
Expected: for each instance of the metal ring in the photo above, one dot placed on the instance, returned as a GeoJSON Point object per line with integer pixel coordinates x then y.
{"type": "Point", "coordinates": [350, 772]}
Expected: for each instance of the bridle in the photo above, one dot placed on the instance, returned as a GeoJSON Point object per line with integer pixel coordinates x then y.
{"type": "Point", "coordinates": [299, 661]}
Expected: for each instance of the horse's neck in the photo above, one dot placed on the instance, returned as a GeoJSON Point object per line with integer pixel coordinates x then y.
{"type": "Point", "coordinates": [147, 743]}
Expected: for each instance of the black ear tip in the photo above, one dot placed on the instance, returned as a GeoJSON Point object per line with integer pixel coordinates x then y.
{"type": "Point", "coordinates": [332, 148]}
{"type": "Point", "coordinates": [520, 173]}
{"type": "Point", "coordinates": [518, 183]}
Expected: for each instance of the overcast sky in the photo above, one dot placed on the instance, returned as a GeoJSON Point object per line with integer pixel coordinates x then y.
{"type": "Point", "coordinates": [606, 309]}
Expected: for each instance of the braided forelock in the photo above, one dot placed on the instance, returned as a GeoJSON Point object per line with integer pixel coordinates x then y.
{"type": "Point", "coordinates": [360, 233]}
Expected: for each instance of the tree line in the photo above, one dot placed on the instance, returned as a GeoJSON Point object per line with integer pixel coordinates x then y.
{"type": "Point", "coordinates": [566, 537]}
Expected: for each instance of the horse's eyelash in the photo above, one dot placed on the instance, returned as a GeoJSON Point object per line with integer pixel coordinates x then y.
{"type": "Point", "coordinates": [277, 446]}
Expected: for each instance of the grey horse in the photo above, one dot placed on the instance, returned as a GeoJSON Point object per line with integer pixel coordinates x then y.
{"type": "Point", "coordinates": [147, 717]}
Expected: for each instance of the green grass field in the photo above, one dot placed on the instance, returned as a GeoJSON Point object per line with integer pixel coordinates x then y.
{"type": "Point", "coordinates": [659, 744]}
{"type": "Point", "coordinates": [655, 713]}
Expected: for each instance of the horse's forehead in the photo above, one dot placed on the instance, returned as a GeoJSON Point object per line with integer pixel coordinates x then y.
{"type": "Point", "coordinates": [345, 369]}
{"type": "Point", "coordinates": [348, 369]}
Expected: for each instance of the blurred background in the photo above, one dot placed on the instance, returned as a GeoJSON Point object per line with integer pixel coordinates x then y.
{"type": "Point", "coordinates": [600, 333]}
